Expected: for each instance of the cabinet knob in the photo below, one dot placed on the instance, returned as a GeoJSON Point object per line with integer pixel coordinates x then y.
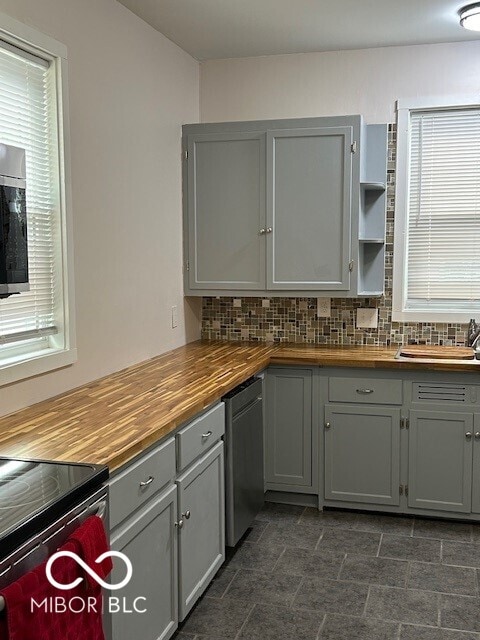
{"type": "Point", "coordinates": [179, 524]}
{"type": "Point", "coordinates": [206, 435]}
{"type": "Point", "coordinates": [468, 435]}
{"type": "Point", "coordinates": [477, 435]}
{"type": "Point", "coordinates": [269, 229]}
{"type": "Point", "coordinates": [327, 425]}
{"type": "Point", "coordinates": [262, 232]}
{"type": "Point", "coordinates": [186, 515]}
{"type": "Point", "coordinates": [146, 482]}
{"type": "Point", "coordinates": [364, 391]}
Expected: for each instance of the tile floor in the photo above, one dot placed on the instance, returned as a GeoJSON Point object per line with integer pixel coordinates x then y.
{"type": "Point", "coordinates": [300, 574]}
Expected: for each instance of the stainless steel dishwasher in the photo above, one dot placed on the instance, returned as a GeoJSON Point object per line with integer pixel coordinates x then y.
{"type": "Point", "coordinates": [244, 477]}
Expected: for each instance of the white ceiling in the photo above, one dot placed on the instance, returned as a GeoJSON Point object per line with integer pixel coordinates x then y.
{"type": "Point", "coordinates": [239, 28]}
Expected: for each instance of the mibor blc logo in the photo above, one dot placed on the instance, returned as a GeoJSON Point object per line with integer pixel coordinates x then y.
{"type": "Point", "coordinates": [89, 604]}
{"type": "Point", "coordinates": [91, 572]}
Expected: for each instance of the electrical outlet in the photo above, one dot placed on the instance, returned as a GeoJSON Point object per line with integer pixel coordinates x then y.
{"type": "Point", "coordinates": [174, 316]}
{"type": "Point", "coordinates": [367, 318]}
{"type": "Point", "coordinates": [324, 307]}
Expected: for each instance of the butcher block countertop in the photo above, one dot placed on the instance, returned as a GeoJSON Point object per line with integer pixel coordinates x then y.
{"type": "Point", "coordinates": [111, 420]}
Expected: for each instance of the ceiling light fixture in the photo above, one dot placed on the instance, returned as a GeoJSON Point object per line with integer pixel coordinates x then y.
{"type": "Point", "coordinates": [470, 16]}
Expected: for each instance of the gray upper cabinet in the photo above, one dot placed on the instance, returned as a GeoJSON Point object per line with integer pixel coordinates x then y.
{"type": "Point", "coordinates": [440, 461]}
{"type": "Point", "coordinates": [226, 210]}
{"type": "Point", "coordinates": [201, 507]}
{"type": "Point", "coordinates": [289, 441]}
{"type": "Point", "coordinates": [309, 190]}
{"type": "Point", "coordinates": [149, 539]}
{"type": "Point", "coordinates": [362, 454]}
{"type": "Point", "coordinates": [272, 207]}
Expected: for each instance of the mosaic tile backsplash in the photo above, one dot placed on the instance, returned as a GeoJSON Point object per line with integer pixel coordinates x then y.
{"type": "Point", "coordinates": [295, 319]}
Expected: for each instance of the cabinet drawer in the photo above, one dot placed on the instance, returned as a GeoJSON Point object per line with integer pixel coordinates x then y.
{"type": "Point", "coordinates": [369, 391]}
{"type": "Point", "coordinates": [140, 481]}
{"type": "Point", "coordinates": [200, 435]}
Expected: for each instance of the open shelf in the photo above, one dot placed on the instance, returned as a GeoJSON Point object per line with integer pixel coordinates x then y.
{"type": "Point", "coordinates": [373, 186]}
{"type": "Point", "coordinates": [372, 212]}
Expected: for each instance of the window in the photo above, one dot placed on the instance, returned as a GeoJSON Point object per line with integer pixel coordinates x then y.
{"type": "Point", "coordinates": [36, 328]}
{"type": "Point", "coordinates": [437, 217]}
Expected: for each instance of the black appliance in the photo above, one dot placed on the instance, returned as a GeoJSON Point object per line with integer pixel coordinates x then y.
{"type": "Point", "coordinates": [244, 475]}
{"type": "Point", "coordinates": [13, 222]}
{"type": "Point", "coordinates": [36, 493]}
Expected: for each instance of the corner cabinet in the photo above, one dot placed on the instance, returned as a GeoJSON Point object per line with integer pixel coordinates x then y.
{"type": "Point", "coordinates": [290, 435]}
{"type": "Point", "coordinates": [284, 207]}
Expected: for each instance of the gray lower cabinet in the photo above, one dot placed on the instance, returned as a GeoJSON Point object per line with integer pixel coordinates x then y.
{"type": "Point", "coordinates": [476, 467]}
{"type": "Point", "coordinates": [149, 539]}
{"type": "Point", "coordinates": [440, 461]}
{"type": "Point", "coordinates": [309, 193]}
{"type": "Point", "coordinates": [289, 438]}
{"type": "Point", "coordinates": [201, 508]}
{"type": "Point", "coordinates": [362, 454]}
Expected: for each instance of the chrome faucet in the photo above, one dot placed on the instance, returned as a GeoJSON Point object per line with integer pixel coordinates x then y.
{"type": "Point", "coordinates": [473, 334]}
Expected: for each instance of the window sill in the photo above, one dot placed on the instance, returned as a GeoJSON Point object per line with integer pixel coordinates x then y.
{"type": "Point", "coordinates": [431, 317]}
{"type": "Point", "coordinates": [38, 363]}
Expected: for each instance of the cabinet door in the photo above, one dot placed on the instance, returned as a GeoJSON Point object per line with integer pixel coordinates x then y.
{"type": "Point", "coordinates": [201, 507]}
{"type": "Point", "coordinates": [226, 210]}
{"type": "Point", "coordinates": [149, 541]}
{"type": "Point", "coordinates": [309, 185]}
{"type": "Point", "coordinates": [362, 454]}
{"type": "Point", "coordinates": [289, 441]}
{"type": "Point", "coordinates": [440, 461]}
{"type": "Point", "coordinates": [476, 467]}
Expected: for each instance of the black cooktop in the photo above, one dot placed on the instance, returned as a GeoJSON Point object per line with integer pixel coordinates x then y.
{"type": "Point", "coordinates": [34, 493]}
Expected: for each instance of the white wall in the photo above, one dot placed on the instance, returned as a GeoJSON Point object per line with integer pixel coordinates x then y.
{"type": "Point", "coordinates": [130, 91]}
{"type": "Point", "coordinates": [367, 81]}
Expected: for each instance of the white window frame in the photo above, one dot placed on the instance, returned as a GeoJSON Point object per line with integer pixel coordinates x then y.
{"type": "Point", "coordinates": [402, 178]}
{"type": "Point", "coordinates": [62, 350]}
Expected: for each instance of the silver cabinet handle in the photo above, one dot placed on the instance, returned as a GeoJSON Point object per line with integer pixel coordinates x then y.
{"type": "Point", "coordinates": [477, 435]}
{"type": "Point", "coordinates": [186, 515]}
{"type": "Point", "coordinates": [262, 232]}
{"type": "Point", "coordinates": [468, 435]}
{"type": "Point", "coordinates": [327, 425]}
{"type": "Point", "coordinates": [269, 229]}
{"type": "Point", "coordinates": [365, 391]}
{"type": "Point", "coordinates": [146, 482]}
{"type": "Point", "coordinates": [179, 524]}
{"type": "Point", "coordinates": [207, 434]}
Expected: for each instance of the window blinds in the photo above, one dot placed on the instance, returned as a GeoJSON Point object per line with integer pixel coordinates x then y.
{"type": "Point", "coordinates": [443, 244]}
{"type": "Point", "coordinates": [27, 120]}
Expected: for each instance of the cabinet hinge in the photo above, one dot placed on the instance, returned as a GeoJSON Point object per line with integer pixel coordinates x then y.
{"type": "Point", "coordinates": [187, 265]}
{"type": "Point", "coordinates": [404, 423]}
{"type": "Point", "coordinates": [353, 147]}
{"type": "Point", "coordinates": [350, 265]}
{"type": "Point", "coordinates": [400, 490]}
{"type": "Point", "coordinates": [407, 423]}
{"type": "Point", "coordinates": [185, 155]}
